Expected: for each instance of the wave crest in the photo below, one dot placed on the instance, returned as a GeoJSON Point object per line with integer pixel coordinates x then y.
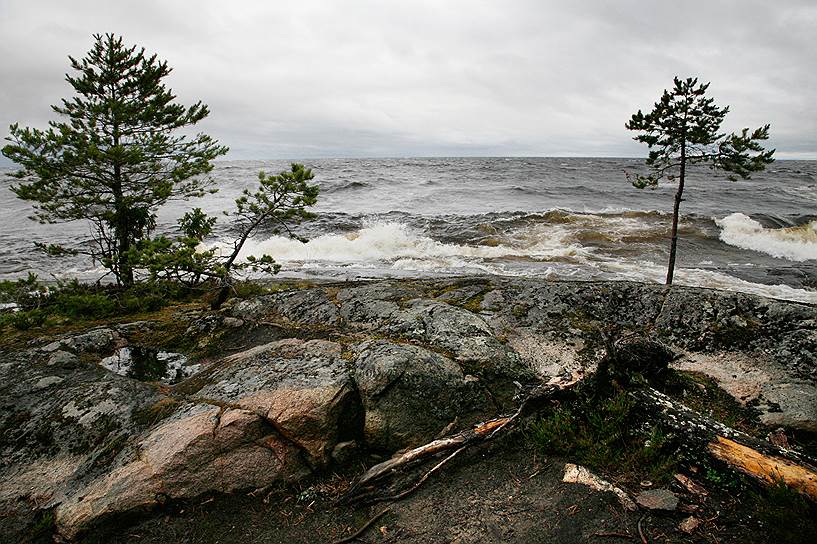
{"type": "Point", "coordinates": [797, 243]}
{"type": "Point", "coordinates": [395, 243]}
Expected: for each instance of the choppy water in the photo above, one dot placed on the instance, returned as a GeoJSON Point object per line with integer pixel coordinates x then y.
{"type": "Point", "coordinates": [549, 217]}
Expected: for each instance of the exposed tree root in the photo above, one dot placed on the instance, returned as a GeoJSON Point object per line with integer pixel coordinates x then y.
{"type": "Point", "coordinates": [359, 532]}
{"type": "Point", "coordinates": [367, 488]}
{"type": "Point", "coordinates": [698, 435]}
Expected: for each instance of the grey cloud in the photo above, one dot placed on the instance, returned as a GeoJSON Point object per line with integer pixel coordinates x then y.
{"type": "Point", "coordinates": [356, 78]}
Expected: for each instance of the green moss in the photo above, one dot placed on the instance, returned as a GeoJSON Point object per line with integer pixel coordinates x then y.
{"type": "Point", "coordinates": [474, 304]}
{"type": "Point", "coordinates": [168, 329]}
{"type": "Point", "coordinates": [154, 413]}
{"type": "Point", "coordinates": [43, 525]}
{"type": "Point", "coordinates": [602, 433]}
{"type": "Point", "coordinates": [584, 321]}
{"type": "Point", "coordinates": [702, 394]}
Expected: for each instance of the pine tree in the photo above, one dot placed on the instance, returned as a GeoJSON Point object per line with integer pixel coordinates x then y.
{"type": "Point", "coordinates": [683, 129]}
{"type": "Point", "coordinates": [114, 156]}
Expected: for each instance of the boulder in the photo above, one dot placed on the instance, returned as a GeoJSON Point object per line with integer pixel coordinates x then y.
{"type": "Point", "coordinates": [200, 449]}
{"type": "Point", "coordinates": [62, 422]}
{"type": "Point", "coordinates": [305, 307]}
{"type": "Point", "coordinates": [409, 394]}
{"type": "Point", "coordinates": [303, 388]}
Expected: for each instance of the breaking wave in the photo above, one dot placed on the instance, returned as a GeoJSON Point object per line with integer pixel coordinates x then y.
{"type": "Point", "coordinates": [552, 251]}
{"type": "Point", "coordinates": [398, 243]}
{"type": "Point", "coordinates": [797, 243]}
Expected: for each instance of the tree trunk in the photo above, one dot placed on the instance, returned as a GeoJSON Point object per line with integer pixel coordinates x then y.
{"type": "Point", "coordinates": [124, 271]}
{"type": "Point", "coordinates": [224, 292]}
{"type": "Point", "coordinates": [700, 435]}
{"type": "Point", "coordinates": [221, 297]}
{"type": "Point", "coordinates": [123, 242]}
{"type": "Point", "coordinates": [678, 199]}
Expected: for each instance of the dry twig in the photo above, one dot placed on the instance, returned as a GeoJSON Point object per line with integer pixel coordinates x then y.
{"type": "Point", "coordinates": [363, 529]}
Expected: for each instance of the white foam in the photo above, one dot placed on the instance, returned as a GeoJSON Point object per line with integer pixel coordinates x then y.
{"type": "Point", "coordinates": [794, 243]}
{"type": "Point", "coordinates": [645, 271]}
{"type": "Point", "coordinates": [394, 249]}
{"type": "Point", "coordinates": [396, 243]}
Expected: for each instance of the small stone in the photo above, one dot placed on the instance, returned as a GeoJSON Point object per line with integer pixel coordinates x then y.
{"type": "Point", "coordinates": [53, 346]}
{"type": "Point", "coordinates": [657, 499]}
{"type": "Point", "coordinates": [47, 381]}
{"type": "Point", "coordinates": [689, 525]}
{"type": "Point", "coordinates": [343, 452]}
{"type": "Point", "coordinates": [232, 322]}
{"type": "Point", "coordinates": [61, 358]}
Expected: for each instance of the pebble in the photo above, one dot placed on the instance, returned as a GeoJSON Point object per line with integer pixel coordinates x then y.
{"type": "Point", "coordinates": [689, 525]}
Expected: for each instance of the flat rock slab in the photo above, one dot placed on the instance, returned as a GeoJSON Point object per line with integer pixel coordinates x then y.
{"type": "Point", "coordinates": [657, 499]}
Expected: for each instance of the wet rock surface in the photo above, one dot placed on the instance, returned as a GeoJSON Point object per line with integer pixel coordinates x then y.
{"type": "Point", "coordinates": [294, 383]}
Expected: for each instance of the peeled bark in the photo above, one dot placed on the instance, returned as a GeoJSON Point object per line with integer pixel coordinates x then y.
{"type": "Point", "coordinates": [766, 463]}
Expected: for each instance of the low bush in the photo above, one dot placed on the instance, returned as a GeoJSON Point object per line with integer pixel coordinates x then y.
{"type": "Point", "coordinates": [35, 303]}
{"type": "Point", "coordinates": [604, 434]}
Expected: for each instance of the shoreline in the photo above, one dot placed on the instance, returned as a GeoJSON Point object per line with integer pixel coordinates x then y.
{"type": "Point", "coordinates": [356, 371]}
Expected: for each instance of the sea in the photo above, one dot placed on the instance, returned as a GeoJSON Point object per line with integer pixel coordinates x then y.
{"type": "Point", "coordinates": [548, 218]}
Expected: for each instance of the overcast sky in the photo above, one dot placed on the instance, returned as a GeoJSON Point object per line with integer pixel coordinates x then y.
{"type": "Point", "coordinates": [308, 79]}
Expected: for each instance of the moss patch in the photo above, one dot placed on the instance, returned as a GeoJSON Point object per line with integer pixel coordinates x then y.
{"type": "Point", "coordinates": [154, 413]}
{"type": "Point", "coordinates": [787, 516]}
{"type": "Point", "coordinates": [603, 434]}
{"type": "Point", "coordinates": [702, 394]}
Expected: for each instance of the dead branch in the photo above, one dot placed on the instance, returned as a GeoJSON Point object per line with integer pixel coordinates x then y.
{"type": "Point", "coordinates": [766, 463]}
{"type": "Point", "coordinates": [365, 489]}
{"type": "Point", "coordinates": [641, 534]}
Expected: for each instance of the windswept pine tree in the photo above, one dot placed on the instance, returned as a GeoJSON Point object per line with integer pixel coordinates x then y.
{"type": "Point", "coordinates": [114, 156]}
{"type": "Point", "coordinates": [683, 129]}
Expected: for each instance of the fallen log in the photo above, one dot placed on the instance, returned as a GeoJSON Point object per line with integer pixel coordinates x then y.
{"type": "Point", "coordinates": [366, 488]}
{"type": "Point", "coordinates": [699, 435]}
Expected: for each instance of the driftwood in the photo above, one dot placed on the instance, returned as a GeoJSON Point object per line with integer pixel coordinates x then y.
{"type": "Point", "coordinates": [367, 487]}
{"type": "Point", "coordinates": [759, 459]}
{"type": "Point", "coordinates": [699, 435]}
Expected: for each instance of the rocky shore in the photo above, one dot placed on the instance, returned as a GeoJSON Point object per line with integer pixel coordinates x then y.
{"type": "Point", "coordinates": [293, 385]}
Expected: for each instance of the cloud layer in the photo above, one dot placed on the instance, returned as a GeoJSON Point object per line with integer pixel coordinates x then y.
{"type": "Point", "coordinates": [420, 78]}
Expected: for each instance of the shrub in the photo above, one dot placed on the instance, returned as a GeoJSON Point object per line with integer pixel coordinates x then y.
{"type": "Point", "coordinates": [602, 433]}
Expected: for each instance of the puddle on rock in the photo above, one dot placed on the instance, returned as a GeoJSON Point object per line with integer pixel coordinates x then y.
{"type": "Point", "coordinates": [150, 364]}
